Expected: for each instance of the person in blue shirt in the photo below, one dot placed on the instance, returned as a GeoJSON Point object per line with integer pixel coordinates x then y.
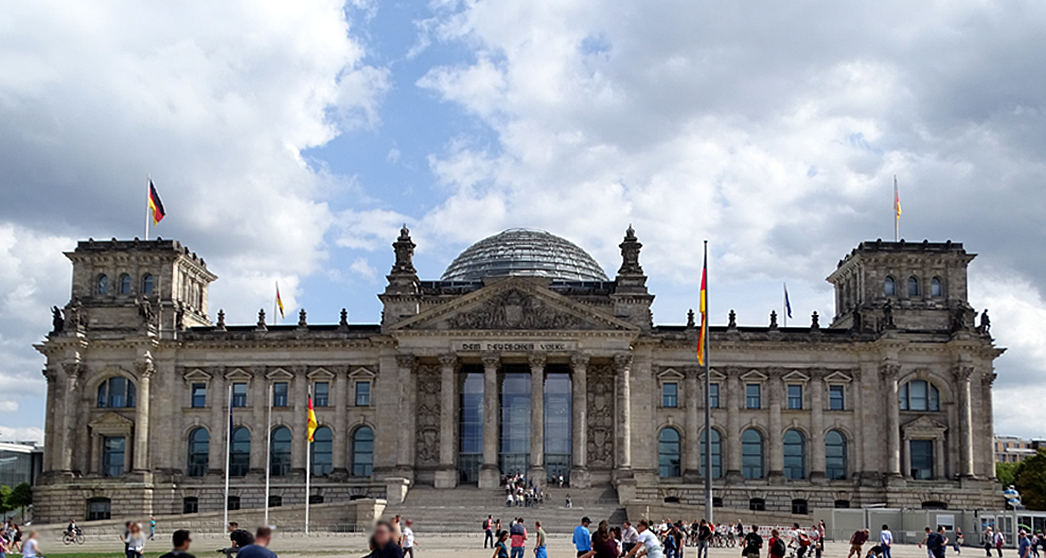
{"type": "Point", "coordinates": [582, 537]}
{"type": "Point", "coordinates": [1023, 545]}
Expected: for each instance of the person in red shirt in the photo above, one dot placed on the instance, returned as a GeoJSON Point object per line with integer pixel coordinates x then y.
{"type": "Point", "coordinates": [777, 547]}
{"type": "Point", "coordinates": [519, 538]}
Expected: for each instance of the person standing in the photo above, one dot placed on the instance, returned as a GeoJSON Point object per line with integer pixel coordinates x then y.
{"type": "Point", "coordinates": [29, 547]}
{"type": "Point", "coordinates": [1023, 544]}
{"type": "Point", "coordinates": [988, 540]}
{"type": "Point", "coordinates": [647, 545]}
{"type": "Point", "coordinates": [383, 545]}
{"type": "Point", "coordinates": [488, 530]}
{"type": "Point", "coordinates": [408, 539]}
{"type": "Point", "coordinates": [886, 541]}
{"type": "Point", "coordinates": [540, 539]}
{"type": "Point", "coordinates": [704, 536]}
{"type": "Point", "coordinates": [752, 544]}
{"type": "Point", "coordinates": [180, 540]}
{"type": "Point", "coordinates": [152, 528]}
{"type": "Point", "coordinates": [629, 538]}
{"type": "Point", "coordinates": [582, 538]}
{"type": "Point", "coordinates": [776, 547]}
{"type": "Point", "coordinates": [135, 541]}
{"type": "Point", "coordinates": [518, 534]}
{"type": "Point", "coordinates": [815, 540]}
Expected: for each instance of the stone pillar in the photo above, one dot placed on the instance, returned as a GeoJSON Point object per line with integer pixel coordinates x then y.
{"type": "Point", "coordinates": [141, 417]}
{"type": "Point", "coordinates": [299, 442]}
{"type": "Point", "coordinates": [489, 473]}
{"type": "Point", "coordinates": [987, 409]}
{"type": "Point", "coordinates": [694, 436]}
{"type": "Point", "coordinates": [50, 412]}
{"type": "Point", "coordinates": [217, 399]}
{"type": "Point", "coordinates": [579, 477]}
{"type": "Point", "coordinates": [404, 433]}
{"type": "Point", "coordinates": [890, 372]}
{"type": "Point", "coordinates": [340, 455]}
{"type": "Point", "coordinates": [536, 470]}
{"type": "Point", "coordinates": [732, 440]}
{"type": "Point", "coordinates": [447, 475]}
{"type": "Point", "coordinates": [962, 380]}
{"type": "Point", "coordinates": [817, 467]}
{"type": "Point", "coordinates": [775, 387]}
{"type": "Point", "coordinates": [623, 426]}
{"type": "Point", "coordinates": [70, 396]}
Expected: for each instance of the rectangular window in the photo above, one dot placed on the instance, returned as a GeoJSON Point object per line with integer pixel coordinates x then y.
{"type": "Point", "coordinates": [836, 401]}
{"type": "Point", "coordinates": [669, 395]}
{"type": "Point", "coordinates": [233, 503]}
{"type": "Point", "coordinates": [363, 394]}
{"type": "Point", "coordinates": [199, 396]}
{"type": "Point", "coordinates": [239, 394]}
{"type": "Point", "coordinates": [321, 394]}
{"type": "Point", "coordinates": [113, 449]}
{"type": "Point", "coordinates": [190, 505]}
{"type": "Point", "coordinates": [795, 396]}
{"type": "Point", "coordinates": [753, 396]}
{"type": "Point", "coordinates": [921, 456]}
{"type": "Point", "coordinates": [279, 394]}
{"type": "Point", "coordinates": [99, 509]}
{"type": "Point", "coordinates": [713, 396]}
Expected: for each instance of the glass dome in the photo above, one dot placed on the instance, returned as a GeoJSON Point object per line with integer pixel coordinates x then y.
{"type": "Point", "coordinates": [524, 252]}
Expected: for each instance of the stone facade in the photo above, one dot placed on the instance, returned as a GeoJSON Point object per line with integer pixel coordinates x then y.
{"type": "Point", "coordinates": [889, 404]}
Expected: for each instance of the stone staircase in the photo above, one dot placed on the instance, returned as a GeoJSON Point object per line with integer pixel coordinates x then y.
{"type": "Point", "coordinates": [463, 509]}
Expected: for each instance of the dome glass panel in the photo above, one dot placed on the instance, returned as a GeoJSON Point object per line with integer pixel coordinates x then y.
{"type": "Point", "coordinates": [524, 252]}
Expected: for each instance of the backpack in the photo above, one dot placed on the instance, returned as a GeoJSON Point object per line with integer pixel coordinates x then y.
{"type": "Point", "coordinates": [778, 548]}
{"type": "Point", "coordinates": [486, 524]}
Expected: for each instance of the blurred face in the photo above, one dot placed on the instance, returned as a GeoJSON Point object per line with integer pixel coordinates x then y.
{"type": "Point", "coordinates": [382, 535]}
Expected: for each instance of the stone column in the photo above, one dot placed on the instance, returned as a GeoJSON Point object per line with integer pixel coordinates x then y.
{"type": "Point", "coordinates": [50, 412]}
{"type": "Point", "coordinates": [732, 440]}
{"type": "Point", "coordinates": [299, 442]}
{"type": "Point", "coordinates": [404, 433]}
{"type": "Point", "coordinates": [70, 396]}
{"type": "Point", "coordinates": [141, 417]}
{"type": "Point", "coordinates": [446, 475]}
{"type": "Point", "coordinates": [962, 380]}
{"type": "Point", "coordinates": [340, 455]}
{"type": "Point", "coordinates": [987, 409]}
{"type": "Point", "coordinates": [817, 466]}
{"type": "Point", "coordinates": [775, 387]}
{"type": "Point", "coordinates": [694, 436]}
{"type": "Point", "coordinates": [536, 470]}
{"type": "Point", "coordinates": [579, 477]}
{"type": "Point", "coordinates": [489, 473]}
{"type": "Point", "coordinates": [890, 372]}
{"type": "Point", "coordinates": [623, 372]}
{"type": "Point", "coordinates": [217, 399]}
{"type": "Point", "coordinates": [260, 393]}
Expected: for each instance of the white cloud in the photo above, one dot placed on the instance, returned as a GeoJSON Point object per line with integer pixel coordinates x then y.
{"type": "Point", "coordinates": [26, 434]}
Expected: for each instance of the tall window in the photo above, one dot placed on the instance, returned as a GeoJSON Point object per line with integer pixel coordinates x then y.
{"type": "Point", "coordinates": [322, 451]}
{"type": "Point", "coordinates": [913, 286]}
{"type": "Point", "coordinates": [103, 284]}
{"type": "Point", "coordinates": [321, 394]}
{"type": "Point", "coordinates": [752, 454]}
{"type": "Point", "coordinates": [362, 452]}
{"type": "Point", "coordinates": [99, 509]}
{"type": "Point", "coordinates": [670, 394]}
{"type": "Point", "coordinates": [116, 393]}
{"type": "Point", "coordinates": [280, 452]}
{"type": "Point", "coordinates": [935, 287]}
{"type": "Point", "coordinates": [279, 394]}
{"type": "Point", "coordinates": [558, 407]}
{"type": "Point", "coordinates": [717, 454]}
{"type": "Point", "coordinates": [514, 454]}
{"type": "Point", "coordinates": [921, 457]}
{"type": "Point", "coordinates": [147, 283]}
{"type": "Point", "coordinates": [199, 395]}
{"type": "Point", "coordinates": [240, 452]}
{"type": "Point", "coordinates": [920, 395]}
{"type": "Point", "coordinates": [239, 394]}
{"type": "Point", "coordinates": [753, 396]}
{"type": "Point", "coordinates": [713, 396]}
{"type": "Point", "coordinates": [794, 455]}
{"type": "Point", "coordinates": [889, 287]}
{"type": "Point", "coordinates": [125, 284]}
{"type": "Point", "coordinates": [470, 456]}
{"type": "Point", "coordinates": [668, 453]}
{"type": "Point", "coordinates": [795, 396]}
{"type": "Point", "coordinates": [363, 394]}
{"type": "Point", "coordinates": [836, 398]}
{"type": "Point", "coordinates": [199, 452]}
{"type": "Point", "coordinates": [113, 450]}
{"type": "Point", "coordinates": [835, 455]}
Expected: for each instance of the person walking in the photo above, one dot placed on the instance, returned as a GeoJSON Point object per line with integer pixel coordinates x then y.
{"type": "Point", "coordinates": [988, 540]}
{"type": "Point", "coordinates": [488, 530]}
{"type": "Point", "coordinates": [647, 545]}
{"type": "Point", "coordinates": [1023, 544]}
{"type": "Point", "coordinates": [582, 537]}
{"type": "Point", "coordinates": [408, 538]}
{"type": "Point", "coordinates": [518, 534]}
{"type": "Point", "coordinates": [857, 541]}
{"type": "Point", "coordinates": [152, 528]}
{"type": "Point", "coordinates": [886, 541]}
{"type": "Point", "coordinates": [777, 547]}
{"type": "Point", "coordinates": [704, 537]}
{"type": "Point", "coordinates": [180, 542]}
{"type": "Point", "coordinates": [500, 550]}
{"type": "Point", "coordinates": [998, 540]}
{"type": "Point", "coordinates": [135, 541]}
{"type": "Point", "coordinates": [30, 548]}
{"type": "Point", "coordinates": [957, 543]}
{"type": "Point", "coordinates": [752, 544]}
{"type": "Point", "coordinates": [936, 543]}
{"type": "Point", "coordinates": [629, 538]}
{"type": "Point", "coordinates": [383, 545]}
{"type": "Point", "coordinates": [540, 538]}
{"type": "Point", "coordinates": [603, 543]}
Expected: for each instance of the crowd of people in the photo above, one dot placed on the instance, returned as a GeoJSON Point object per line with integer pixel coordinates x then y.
{"type": "Point", "coordinates": [524, 493]}
{"type": "Point", "coordinates": [10, 537]}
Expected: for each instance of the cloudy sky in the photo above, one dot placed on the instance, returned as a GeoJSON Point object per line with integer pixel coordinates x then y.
{"type": "Point", "coordinates": [289, 142]}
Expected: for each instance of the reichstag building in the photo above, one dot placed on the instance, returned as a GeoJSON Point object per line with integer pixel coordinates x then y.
{"type": "Point", "coordinates": [523, 357]}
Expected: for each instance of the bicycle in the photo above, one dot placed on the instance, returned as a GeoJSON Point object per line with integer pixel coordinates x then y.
{"type": "Point", "coordinates": [74, 537]}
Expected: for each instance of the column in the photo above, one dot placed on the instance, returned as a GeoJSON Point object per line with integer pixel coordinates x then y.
{"type": "Point", "coordinates": [579, 433]}
{"type": "Point", "coordinates": [299, 444]}
{"type": "Point", "coordinates": [260, 390]}
{"type": "Point", "coordinates": [694, 436]}
{"type": "Point", "coordinates": [141, 417]}
{"type": "Point", "coordinates": [217, 398]}
{"type": "Point", "coordinates": [732, 440]}
{"type": "Point", "coordinates": [404, 433]}
{"type": "Point", "coordinates": [536, 470]}
{"type": "Point", "coordinates": [50, 413]}
{"type": "Point", "coordinates": [489, 473]}
{"type": "Point", "coordinates": [987, 408]}
{"type": "Point", "coordinates": [890, 372]}
{"type": "Point", "coordinates": [962, 376]}
{"type": "Point", "coordinates": [817, 466]}
{"type": "Point", "coordinates": [340, 455]}
{"type": "Point", "coordinates": [908, 457]}
{"type": "Point", "coordinates": [775, 387]}
{"type": "Point", "coordinates": [446, 475]}
{"type": "Point", "coordinates": [70, 392]}
{"type": "Point", "coordinates": [623, 371]}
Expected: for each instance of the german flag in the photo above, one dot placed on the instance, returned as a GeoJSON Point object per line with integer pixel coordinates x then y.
{"type": "Point", "coordinates": [312, 421]}
{"type": "Point", "coordinates": [155, 205]}
{"type": "Point", "coordinates": [703, 306]}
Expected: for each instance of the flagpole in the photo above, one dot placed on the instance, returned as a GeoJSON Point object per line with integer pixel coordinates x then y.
{"type": "Point", "coordinates": [708, 402]}
{"type": "Point", "coordinates": [148, 193]}
{"type": "Point", "coordinates": [784, 307]}
{"type": "Point", "coordinates": [274, 301]}
{"type": "Point", "coordinates": [268, 459]}
{"type": "Point", "coordinates": [896, 214]}
{"type": "Point", "coordinates": [228, 457]}
{"type": "Point", "coordinates": [308, 470]}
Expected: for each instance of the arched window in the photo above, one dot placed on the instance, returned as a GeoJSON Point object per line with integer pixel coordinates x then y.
{"type": "Point", "coordinates": [280, 452]}
{"type": "Point", "coordinates": [147, 283]}
{"type": "Point", "coordinates": [794, 455]}
{"type": "Point", "coordinates": [322, 450]}
{"type": "Point", "coordinates": [116, 393]}
{"type": "Point", "coordinates": [935, 287]}
{"type": "Point", "coordinates": [913, 286]}
{"type": "Point", "coordinates": [717, 454]}
{"type": "Point", "coordinates": [362, 452]}
{"type": "Point", "coordinates": [668, 453]}
{"type": "Point", "coordinates": [889, 287]}
{"type": "Point", "coordinates": [835, 455]}
{"type": "Point", "coordinates": [920, 395]}
{"type": "Point", "coordinates": [103, 284]}
{"type": "Point", "coordinates": [752, 454]}
{"type": "Point", "coordinates": [239, 453]}
{"type": "Point", "coordinates": [125, 284]}
{"type": "Point", "coordinates": [199, 452]}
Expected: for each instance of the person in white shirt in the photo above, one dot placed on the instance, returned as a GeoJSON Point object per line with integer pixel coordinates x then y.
{"type": "Point", "coordinates": [629, 538]}
{"type": "Point", "coordinates": [886, 541]}
{"type": "Point", "coordinates": [648, 543]}
{"type": "Point", "coordinates": [29, 547]}
{"type": "Point", "coordinates": [408, 539]}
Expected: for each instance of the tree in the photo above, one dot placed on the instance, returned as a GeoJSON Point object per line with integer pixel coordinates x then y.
{"type": "Point", "coordinates": [1006, 472]}
{"type": "Point", "coordinates": [21, 497]}
{"type": "Point", "coordinates": [5, 498]}
{"type": "Point", "coordinates": [1030, 481]}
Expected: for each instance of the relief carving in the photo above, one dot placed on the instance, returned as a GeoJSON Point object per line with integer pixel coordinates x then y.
{"type": "Point", "coordinates": [600, 416]}
{"type": "Point", "coordinates": [514, 309]}
{"type": "Point", "coordinates": [427, 417]}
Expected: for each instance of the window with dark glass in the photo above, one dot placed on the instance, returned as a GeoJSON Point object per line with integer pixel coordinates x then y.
{"type": "Point", "coordinates": [199, 396]}
{"type": "Point", "coordinates": [913, 286]}
{"type": "Point", "coordinates": [103, 284]}
{"type": "Point", "coordinates": [794, 455]}
{"type": "Point", "coordinates": [190, 504]}
{"type": "Point", "coordinates": [713, 396]}
{"type": "Point", "coordinates": [362, 452]}
{"type": "Point", "coordinates": [321, 394]}
{"type": "Point", "coordinates": [800, 507]}
{"type": "Point", "coordinates": [113, 451]}
{"type": "Point", "coordinates": [239, 394]}
{"type": "Point", "coordinates": [669, 395]}
{"type": "Point", "coordinates": [199, 452]}
{"type": "Point", "coordinates": [889, 287]}
{"type": "Point", "coordinates": [795, 396]}
{"type": "Point", "coordinates": [757, 504]}
{"type": "Point", "coordinates": [275, 501]}
{"type": "Point", "coordinates": [233, 503]}
{"type": "Point", "coordinates": [935, 287]}
{"type": "Point", "coordinates": [470, 456]}
{"type": "Point", "coordinates": [558, 422]}
{"type": "Point", "coordinates": [835, 455]}
{"type": "Point", "coordinates": [240, 452]}
{"type": "Point", "coordinates": [125, 284]}
{"type": "Point", "coordinates": [363, 394]}
{"type": "Point", "coordinates": [99, 509]}
{"type": "Point", "coordinates": [147, 283]}
{"type": "Point", "coordinates": [116, 393]}
{"type": "Point", "coordinates": [753, 396]}
{"type": "Point", "coordinates": [717, 454]}
{"type": "Point", "coordinates": [280, 452]}
{"type": "Point", "coordinates": [322, 451]}
{"type": "Point", "coordinates": [514, 448]}
{"type": "Point", "coordinates": [668, 453]}
{"type": "Point", "coordinates": [836, 401]}
{"type": "Point", "coordinates": [316, 499]}
{"type": "Point", "coordinates": [921, 457]}
{"type": "Point", "coordinates": [279, 394]}
{"type": "Point", "coordinates": [752, 454]}
{"type": "Point", "coordinates": [919, 395]}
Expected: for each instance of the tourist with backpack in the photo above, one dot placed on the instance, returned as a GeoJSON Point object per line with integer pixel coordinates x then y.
{"type": "Point", "coordinates": [777, 547]}
{"type": "Point", "coordinates": [488, 529]}
{"type": "Point", "coordinates": [752, 544]}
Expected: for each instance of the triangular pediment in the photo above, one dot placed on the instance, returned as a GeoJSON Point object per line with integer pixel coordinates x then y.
{"type": "Point", "coordinates": [924, 425]}
{"type": "Point", "coordinates": [670, 375]}
{"type": "Point", "coordinates": [796, 376]}
{"type": "Point", "coordinates": [838, 378]}
{"type": "Point", "coordinates": [111, 424]}
{"type": "Point", "coordinates": [513, 304]}
{"type": "Point", "coordinates": [197, 375]}
{"type": "Point", "coordinates": [280, 374]}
